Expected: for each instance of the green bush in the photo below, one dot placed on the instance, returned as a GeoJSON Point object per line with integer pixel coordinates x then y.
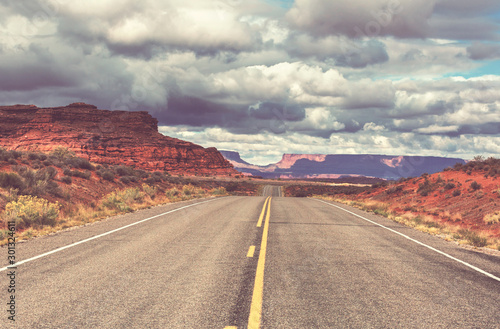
{"type": "Point", "coordinates": [123, 199]}
{"type": "Point", "coordinates": [61, 153]}
{"type": "Point", "coordinates": [188, 190]}
{"type": "Point", "coordinates": [31, 211]}
{"type": "Point", "coordinates": [125, 179]}
{"type": "Point", "coordinates": [150, 190]}
{"type": "Point", "coordinates": [473, 238]}
{"type": "Point", "coordinates": [11, 180]}
{"type": "Point", "coordinates": [456, 192]}
{"type": "Point", "coordinates": [108, 175]}
{"type": "Point", "coordinates": [79, 163]}
{"type": "Point", "coordinates": [475, 185]}
{"type": "Point", "coordinates": [124, 171]}
{"type": "Point", "coordinates": [173, 193]}
{"type": "Point", "coordinates": [66, 179]}
{"type": "Point", "coordinates": [449, 186]}
{"type": "Point", "coordinates": [158, 176]}
{"type": "Point", "coordinates": [218, 191]}
{"type": "Point", "coordinates": [81, 174]}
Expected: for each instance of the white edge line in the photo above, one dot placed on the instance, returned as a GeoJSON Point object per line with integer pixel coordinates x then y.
{"type": "Point", "coordinates": [99, 236]}
{"type": "Point", "coordinates": [416, 241]}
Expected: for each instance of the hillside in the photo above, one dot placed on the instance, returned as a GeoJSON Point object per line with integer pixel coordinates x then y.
{"type": "Point", "coordinates": [326, 166]}
{"type": "Point", "coordinates": [47, 192]}
{"type": "Point", "coordinates": [106, 137]}
{"type": "Point", "coordinates": [460, 200]}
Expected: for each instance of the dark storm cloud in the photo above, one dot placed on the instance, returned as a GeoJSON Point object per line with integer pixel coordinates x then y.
{"type": "Point", "coordinates": [192, 111]}
{"type": "Point", "coordinates": [271, 110]}
{"type": "Point", "coordinates": [480, 51]}
{"type": "Point", "coordinates": [463, 29]}
{"type": "Point", "coordinates": [343, 52]}
{"type": "Point", "coordinates": [464, 8]}
{"type": "Point", "coordinates": [399, 18]}
{"type": "Point", "coordinates": [358, 19]}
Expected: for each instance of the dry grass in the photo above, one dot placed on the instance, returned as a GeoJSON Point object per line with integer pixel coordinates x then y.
{"type": "Point", "coordinates": [117, 202]}
{"type": "Point", "coordinates": [493, 218]}
{"type": "Point", "coordinates": [427, 223]}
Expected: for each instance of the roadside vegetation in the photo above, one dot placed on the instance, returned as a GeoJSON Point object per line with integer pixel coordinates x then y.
{"type": "Point", "coordinates": [46, 193]}
{"type": "Point", "coordinates": [460, 204]}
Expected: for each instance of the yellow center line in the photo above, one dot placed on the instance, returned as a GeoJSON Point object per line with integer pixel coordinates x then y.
{"type": "Point", "coordinates": [259, 223]}
{"type": "Point", "coordinates": [258, 289]}
{"type": "Point", "coordinates": [251, 251]}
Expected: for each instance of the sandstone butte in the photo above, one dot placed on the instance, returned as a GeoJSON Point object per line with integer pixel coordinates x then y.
{"type": "Point", "coordinates": [106, 137]}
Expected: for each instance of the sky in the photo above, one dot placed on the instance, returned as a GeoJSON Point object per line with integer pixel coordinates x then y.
{"type": "Point", "coordinates": [395, 77]}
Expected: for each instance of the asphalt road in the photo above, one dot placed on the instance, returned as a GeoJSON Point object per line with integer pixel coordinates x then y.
{"type": "Point", "coordinates": [315, 265]}
{"type": "Point", "coordinates": [271, 190]}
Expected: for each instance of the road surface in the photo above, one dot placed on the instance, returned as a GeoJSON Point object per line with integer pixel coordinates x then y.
{"type": "Point", "coordinates": [192, 265]}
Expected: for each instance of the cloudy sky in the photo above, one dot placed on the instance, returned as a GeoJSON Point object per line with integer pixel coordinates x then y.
{"type": "Point", "coordinates": [266, 77]}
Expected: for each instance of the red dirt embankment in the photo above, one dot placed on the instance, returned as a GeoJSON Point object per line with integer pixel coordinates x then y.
{"type": "Point", "coordinates": [462, 197]}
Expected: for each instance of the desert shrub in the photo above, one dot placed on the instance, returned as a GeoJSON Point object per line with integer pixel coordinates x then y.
{"type": "Point", "coordinates": [125, 179]}
{"type": "Point", "coordinates": [188, 190]}
{"type": "Point", "coordinates": [81, 174]}
{"type": "Point", "coordinates": [150, 190]}
{"type": "Point", "coordinates": [51, 172]}
{"type": "Point", "coordinates": [66, 179]}
{"type": "Point", "coordinates": [394, 189]}
{"type": "Point", "coordinates": [150, 181]}
{"type": "Point", "coordinates": [141, 173]}
{"type": "Point", "coordinates": [33, 156]}
{"type": "Point", "coordinates": [475, 185]}
{"type": "Point", "coordinates": [124, 171]}
{"type": "Point", "coordinates": [30, 210]}
{"type": "Point", "coordinates": [380, 184]}
{"type": "Point", "coordinates": [425, 188]}
{"type": "Point", "coordinates": [11, 180]}
{"type": "Point", "coordinates": [79, 163]}
{"type": "Point", "coordinates": [5, 155]}
{"type": "Point", "coordinates": [38, 182]}
{"type": "Point", "coordinates": [493, 218]}
{"type": "Point", "coordinates": [432, 224]}
{"type": "Point", "coordinates": [218, 191]}
{"type": "Point", "coordinates": [67, 172]}
{"type": "Point", "coordinates": [173, 193]}
{"type": "Point", "coordinates": [123, 199]}
{"type": "Point", "coordinates": [4, 234]}
{"type": "Point", "coordinates": [473, 238]}
{"type": "Point", "coordinates": [61, 153]}
{"type": "Point", "coordinates": [456, 192]}
{"type": "Point", "coordinates": [108, 175]}
{"type": "Point", "coordinates": [158, 176]}
{"type": "Point", "coordinates": [449, 186]}
{"type": "Point", "coordinates": [381, 212]}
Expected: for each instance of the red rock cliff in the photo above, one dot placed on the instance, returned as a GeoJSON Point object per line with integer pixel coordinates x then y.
{"type": "Point", "coordinates": [111, 137]}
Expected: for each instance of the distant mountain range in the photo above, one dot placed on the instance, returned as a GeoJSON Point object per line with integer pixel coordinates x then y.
{"type": "Point", "coordinates": [342, 165]}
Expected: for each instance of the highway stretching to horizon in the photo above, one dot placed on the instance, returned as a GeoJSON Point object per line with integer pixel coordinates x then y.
{"type": "Point", "coordinates": [252, 262]}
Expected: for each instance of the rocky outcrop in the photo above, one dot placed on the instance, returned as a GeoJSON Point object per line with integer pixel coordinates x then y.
{"type": "Point", "coordinates": [107, 137]}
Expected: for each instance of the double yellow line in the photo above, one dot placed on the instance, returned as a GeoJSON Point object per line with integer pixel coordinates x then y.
{"type": "Point", "coordinates": [255, 316]}
{"type": "Point", "coordinates": [258, 289]}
